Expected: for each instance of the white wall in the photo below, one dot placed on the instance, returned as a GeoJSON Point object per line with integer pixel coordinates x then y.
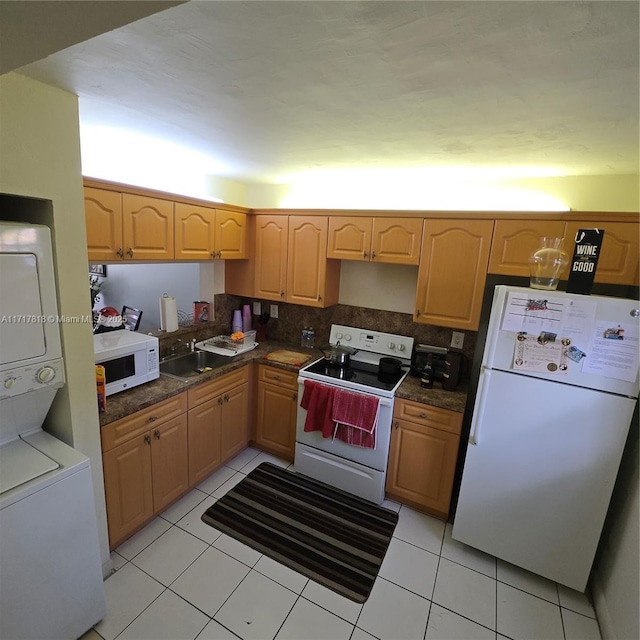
{"type": "Point", "coordinates": [39, 139]}
{"type": "Point", "coordinates": [141, 285]}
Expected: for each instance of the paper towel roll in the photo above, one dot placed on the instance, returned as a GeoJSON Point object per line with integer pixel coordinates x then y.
{"type": "Point", "coordinates": [168, 313]}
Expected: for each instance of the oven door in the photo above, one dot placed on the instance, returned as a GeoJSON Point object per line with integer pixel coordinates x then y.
{"type": "Point", "coordinates": [354, 469]}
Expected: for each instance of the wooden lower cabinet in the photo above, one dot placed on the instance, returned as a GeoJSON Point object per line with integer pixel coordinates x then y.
{"type": "Point", "coordinates": [277, 408]}
{"type": "Point", "coordinates": [144, 475]}
{"type": "Point", "coordinates": [422, 456]}
{"type": "Point", "coordinates": [218, 422]}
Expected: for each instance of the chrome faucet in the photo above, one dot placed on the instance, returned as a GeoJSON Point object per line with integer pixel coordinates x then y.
{"type": "Point", "coordinates": [180, 346]}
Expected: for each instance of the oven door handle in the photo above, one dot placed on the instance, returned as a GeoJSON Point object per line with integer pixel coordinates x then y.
{"type": "Point", "coordinates": [384, 402]}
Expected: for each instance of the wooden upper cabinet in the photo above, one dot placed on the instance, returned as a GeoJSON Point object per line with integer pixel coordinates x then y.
{"type": "Point", "coordinates": [390, 240]}
{"type": "Point", "coordinates": [202, 233]}
{"type": "Point", "coordinates": [515, 240]}
{"type": "Point", "coordinates": [194, 232]}
{"type": "Point", "coordinates": [349, 238]}
{"type": "Point", "coordinates": [147, 228]}
{"type": "Point", "coordinates": [272, 236]}
{"type": "Point", "coordinates": [312, 279]}
{"type": "Point", "coordinates": [231, 235]}
{"type": "Point", "coordinates": [396, 240]}
{"type": "Point", "coordinates": [103, 213]}
{"type": "Point", "coordinates": [452, 272]}
{"type": "Point", "coordinates": [618, 261]}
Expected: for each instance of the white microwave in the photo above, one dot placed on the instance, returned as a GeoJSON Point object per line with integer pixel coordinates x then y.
{"type": "Point", "coordinates": [129, 358]}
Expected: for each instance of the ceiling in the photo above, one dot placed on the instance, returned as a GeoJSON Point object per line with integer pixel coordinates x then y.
{"type": "Point", "coordinates": [271, 89]}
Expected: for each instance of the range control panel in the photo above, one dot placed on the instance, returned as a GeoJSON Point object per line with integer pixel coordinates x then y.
{"type": "Point", "coordinates": [384, 344]}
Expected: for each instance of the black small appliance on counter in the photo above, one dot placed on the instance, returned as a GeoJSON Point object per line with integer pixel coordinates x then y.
{"type": "Point", "coordinates": [431, 363]}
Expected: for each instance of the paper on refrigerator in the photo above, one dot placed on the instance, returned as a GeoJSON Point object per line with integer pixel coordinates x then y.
{"type": "Point", "coordinates": [613, 351]}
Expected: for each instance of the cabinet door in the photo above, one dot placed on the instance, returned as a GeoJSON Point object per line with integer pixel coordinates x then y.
{"type": "Point", "coordinates": [306, 260]}
{"type": "Point", "coordinates": [204, 440]}
{"type": "Point", "coordinates": [234, 430]}
{"type": "Point", "coordinates": [515, 240]}
{"type": "Point", "coordinates": [422, 464]}
{"type": "Point", "coordinates": [194, 232]}
{"type": "Point", "coordinates": [231, 235]}
{"type": "Point", "coordinates": [312, 279]}
{"type": "Point", "coordinates": [147, 228]}
{"type": "Point", "coordinates": [271, 256]}
{"type": "Point", "coordinates": [452, 272]}
{"type": "Point", "coordinates": [103, 213]}
{"type": "Point", "coordinates": [396, 240]}
{"type": "Point", "coordinates": [128, 487]}
{"type": "Point", "coordinates": [349, 238]}
{"type": "Point", "coordinates": [276, 422]}
{"type": "Point", "coordinates": [618, 261]}
{"type": "Point", "coordinates": [169, 461]}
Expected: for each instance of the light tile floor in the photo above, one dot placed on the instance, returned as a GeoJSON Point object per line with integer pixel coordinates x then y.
{"type": "Point", "coordinates": [180, 579]}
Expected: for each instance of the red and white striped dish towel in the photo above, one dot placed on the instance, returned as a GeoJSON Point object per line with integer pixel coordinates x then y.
{"type": "Point", "coordinates": [356, 417]}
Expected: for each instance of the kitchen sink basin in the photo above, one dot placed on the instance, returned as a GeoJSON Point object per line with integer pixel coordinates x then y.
{"type": "Point", "coordinates": [190, 365]}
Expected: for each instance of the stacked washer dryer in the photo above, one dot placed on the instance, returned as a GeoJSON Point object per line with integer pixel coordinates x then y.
{"type": "Point", "coordinates": [50, 569]}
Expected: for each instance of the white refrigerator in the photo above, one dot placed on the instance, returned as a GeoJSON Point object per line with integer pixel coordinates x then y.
{"type": "Point", "coordinates": [556, 395]}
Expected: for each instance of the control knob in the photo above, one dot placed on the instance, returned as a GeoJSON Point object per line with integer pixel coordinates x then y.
{"type": "Point", "coordinates": [46, 374]}
{"type": "Point", "coordinates": [391, 345]}
{"type": "Point", "coordinates": [9, 382]}
{"type": "Point", "coordinates": [401, 347]}
{"type": "Point", "coordinates": [347, 338]}
{"type": "Point", "coordinates": [338, 336]}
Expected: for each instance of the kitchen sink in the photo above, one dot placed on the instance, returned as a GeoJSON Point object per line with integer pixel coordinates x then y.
{"type": "Point", "coordinates": [190, 365]}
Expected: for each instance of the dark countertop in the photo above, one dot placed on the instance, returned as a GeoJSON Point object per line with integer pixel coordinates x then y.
{"type": "Point", "coordinates": [127, 402]}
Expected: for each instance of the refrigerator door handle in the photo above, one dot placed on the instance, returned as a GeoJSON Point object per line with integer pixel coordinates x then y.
{"type": "Point", "coordinates": [478, 411]}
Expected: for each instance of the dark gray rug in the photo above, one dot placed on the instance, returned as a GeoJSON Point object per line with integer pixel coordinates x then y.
{"type": "Point", "coordinates": [330, 536]}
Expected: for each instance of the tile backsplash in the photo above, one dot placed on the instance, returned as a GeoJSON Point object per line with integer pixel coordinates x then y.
{"type": "Point", "coordinates": [293, 318]}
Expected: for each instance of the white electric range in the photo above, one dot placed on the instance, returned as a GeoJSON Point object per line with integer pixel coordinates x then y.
{"type": "Point", "coordinates": [357, 470]}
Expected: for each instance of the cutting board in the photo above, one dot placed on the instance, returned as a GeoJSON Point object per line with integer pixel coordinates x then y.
{"type": "Point", "coordinates": [287, 357]}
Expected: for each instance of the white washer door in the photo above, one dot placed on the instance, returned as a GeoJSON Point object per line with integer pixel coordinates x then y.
{"type": "Point", "coordinates": [20, 462]}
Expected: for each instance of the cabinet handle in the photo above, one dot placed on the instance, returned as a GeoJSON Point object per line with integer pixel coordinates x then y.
{"type": "Point", "coordinates": [295, 396]}
{"type": "Point", "coordinates": [373, 255]}
{"type": "Point", "coordinates": [396, 424]}
{"type": "Point", "coordinates": [130, 252]}
{"type": "Point", "coordinates": [152, 418]}
{"type": "Point", "coordinates": [219, 254]}
{"type": "Point", "coordinates": [417, 313]}
{"type": "Point", "coordinates": [282, 294]}
{"type": "Point", "coordinates": [120, 253]}
{"type": "Point", "coordinates": [213, 255]}
{"type": "Point", "coordinates": [226, 397]}
{"type": "Point", "coordinates": [364, 254]}
{"type": "Point", "coordinates": [276, 377]}
{"type": "Point", "coordinates": [147, 439]}
{"type": "Point", "coordinates": [156, 434]}
{"type": "Point", "coordinates": [422, 415]}
{"type": "Point", "coordinates": [319, 298]}
{"type": "Point", "coordinates": [220, 401]}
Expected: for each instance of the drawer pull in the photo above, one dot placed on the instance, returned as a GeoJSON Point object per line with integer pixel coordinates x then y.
{"type": "Point", "coordinates": [226, 397]}
{"type": "Point", "coordinates": [276, 377]}
{"type": "Point", "coordinates": [152, 418]}
{"type": "Point", "coordinates": [156, 434]}
{"type": "Point", "coordinates": [422, 415]}
{"type": "Point", "coordinates": [220, 400]}
{"type": "Point", "coordinates": [147, 439]}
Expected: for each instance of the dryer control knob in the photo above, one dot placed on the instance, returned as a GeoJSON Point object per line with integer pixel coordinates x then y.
{"type": "Point", "coordinates": [391, 345]}
{"type": "Point", "coordinates": [46, 374]}
{"type": "Point", "coordinates": [347, 338]}
{"type": "Point", "coordinates": [338, 336]}
{"type": "Point", "coordinates": [401, 347]}
{"type": "Point", "coordinates": [9, 382]}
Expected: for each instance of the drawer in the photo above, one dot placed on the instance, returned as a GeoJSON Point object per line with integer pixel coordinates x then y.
{"type": "Point", "coordinates": [279, 377]}
{"type": "Point", "coordinates": [427, 415]}
{"type": "Point", "coordinates": [122, 430]}
{"type": "Point", "coordinates": [209, 390]}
